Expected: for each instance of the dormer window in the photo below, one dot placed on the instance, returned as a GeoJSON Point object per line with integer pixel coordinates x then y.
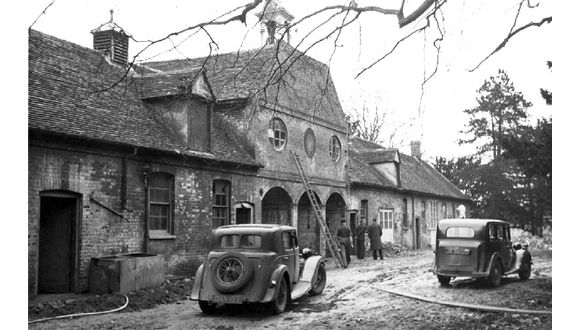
{"type": "Point", "coordinates": [277, 134]}
{"type": "Point", "coordinates": [334, 148]}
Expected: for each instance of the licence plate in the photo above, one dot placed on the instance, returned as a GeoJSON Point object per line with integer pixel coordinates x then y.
{"type": "Point", "coordinates": [459, 251]}
{"type": "Point", "coordinates": [226, 299]}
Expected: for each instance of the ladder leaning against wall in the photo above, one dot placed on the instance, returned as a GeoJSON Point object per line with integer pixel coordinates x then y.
{"type": "Point", "coordinates": [330, 240]}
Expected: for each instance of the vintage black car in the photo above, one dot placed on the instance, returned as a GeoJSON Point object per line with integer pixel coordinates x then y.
{"type": "Point", "coordinates": [479, 248]}
{"type": "Point", "coordinates": [256, 263]}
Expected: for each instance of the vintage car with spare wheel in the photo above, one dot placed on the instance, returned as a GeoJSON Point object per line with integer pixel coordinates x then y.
{"type": "Point", "coordinates": [480, 248]}
{"type": "Point", "coordinates": [256, 263]}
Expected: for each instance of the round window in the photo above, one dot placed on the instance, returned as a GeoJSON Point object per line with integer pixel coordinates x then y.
{"type": "Point", "coordinates": [309, 142]}
{"type": "Point", "coordinates": [334, 148]}
{"type": "Point", "coordinates": [277, 133]}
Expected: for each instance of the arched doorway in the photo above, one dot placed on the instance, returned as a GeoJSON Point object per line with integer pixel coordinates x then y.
{"type": "Point", "coordinates": [308, 228]}
{"type": "Point", "coordinates": [277, 207]}
{"type": "Point", "coordinates": [335, 211]}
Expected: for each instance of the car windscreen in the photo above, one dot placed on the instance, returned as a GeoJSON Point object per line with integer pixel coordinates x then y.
{"type": "Point", "coordinates": [460, 232]}
{"type": "Point", "coordinates": [244, 241]}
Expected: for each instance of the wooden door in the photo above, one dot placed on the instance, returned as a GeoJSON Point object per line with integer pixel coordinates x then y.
{"type": "Point", "coordinates": [55, 266]}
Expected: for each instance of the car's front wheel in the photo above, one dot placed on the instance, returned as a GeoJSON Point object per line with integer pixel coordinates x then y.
{"type": "Point", "coordinates": [443, 280]}
{"type": "Point", "coordinates": [495, 275]}
{"type": "Point", "coordinates": [281, 298]}
{"type": "Point", "coordinates": [207, 307]}
{"type": "Point", "coordinates": [320, 283]}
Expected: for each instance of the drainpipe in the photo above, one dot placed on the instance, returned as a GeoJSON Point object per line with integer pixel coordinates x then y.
{"type": "Point", "coordinates": [413, 224]}
{"type": "Point", "coordinates": [124, 179]}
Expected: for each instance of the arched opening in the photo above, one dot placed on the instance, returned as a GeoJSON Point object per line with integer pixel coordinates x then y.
{"type": "Point", "coordinates": [308, 228]}
{"type": "Point", "coordinates": [335, 212]}
{"type": "Point", "coordinates": [277, 207]}
{"type": "Point", "coordinates": [58, 241]}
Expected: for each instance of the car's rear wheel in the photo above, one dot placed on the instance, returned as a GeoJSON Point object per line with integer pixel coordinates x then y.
{"type": "Point", "coordinates": [207, 307]}
{"type": "Point", "coordinates": [230, 272]}
{"type": "Point", "coordinates": [281, 298]}
{"type": "Point", "coordinates": [525, 271]}
{"type": "Point", "coordinates": [443, 280]}
{"type": "Point", "coordinates": [495, 275]}
{"type": "Point", "coordinates": [320, 283]}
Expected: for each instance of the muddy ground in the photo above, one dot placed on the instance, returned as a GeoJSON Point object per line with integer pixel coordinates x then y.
{"type": "Point", "coordinates": [354, 297]}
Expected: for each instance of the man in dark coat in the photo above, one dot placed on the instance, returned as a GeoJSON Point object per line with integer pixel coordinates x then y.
{"type": "Point", "coordinates": [375, 232]}
{"type": "Point", "coordinates": [343, 235]}
{"type": "Point", "coordinates": [359, 236]}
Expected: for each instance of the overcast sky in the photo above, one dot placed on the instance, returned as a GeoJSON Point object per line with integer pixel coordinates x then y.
{"type": "Point", "coordinates": [473, 28]}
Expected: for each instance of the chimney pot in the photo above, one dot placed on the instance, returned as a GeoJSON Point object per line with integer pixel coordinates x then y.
{"type": "Point", "coordinates": [416, 149]}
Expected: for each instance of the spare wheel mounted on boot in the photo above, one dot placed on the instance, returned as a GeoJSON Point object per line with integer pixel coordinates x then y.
{"type": "Point", "coordinates": [230, 272]}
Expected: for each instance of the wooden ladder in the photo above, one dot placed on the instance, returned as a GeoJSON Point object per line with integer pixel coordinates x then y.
{"type": "Point", "coordinates": [330, 241]}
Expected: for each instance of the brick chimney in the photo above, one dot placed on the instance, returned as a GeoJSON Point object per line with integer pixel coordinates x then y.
{"type": "Point", "coordinates": [416, 149]}
{"type": "Point", "coordinates": [111, 40]}
{"type": "Point", "coordinates": [274, 21]}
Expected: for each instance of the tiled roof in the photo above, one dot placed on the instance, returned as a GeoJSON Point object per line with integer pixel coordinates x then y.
{"type": "Point", "coordinates": [73, 90]}
{"type": "Point", "coordinates": [306, 86]}
{"type": "Point", "coordinates": [379, 155]}
{"type": "Point", "coordinates": [416, 175]}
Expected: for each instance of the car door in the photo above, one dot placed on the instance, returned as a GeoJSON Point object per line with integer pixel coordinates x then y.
{"type": "Point", "coordinates": [506, 246]}
{"type": "Point", "coordinates": [290, 254]}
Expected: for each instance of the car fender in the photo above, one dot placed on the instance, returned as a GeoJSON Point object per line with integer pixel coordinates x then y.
{"type": "Point", "coordinates": [310, 269]}
{"type": "Point", "coordinates": [495, 256]}
{"type": "Point", "coordinates": [197, 283]}
{"type": "Point", "coordinates": [276, 277]}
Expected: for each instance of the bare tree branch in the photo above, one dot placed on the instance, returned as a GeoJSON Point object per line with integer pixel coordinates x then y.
{"type": "Point", "coordinates": [43, 12]}
{"type": "Point", "coordinates": [512, 33]}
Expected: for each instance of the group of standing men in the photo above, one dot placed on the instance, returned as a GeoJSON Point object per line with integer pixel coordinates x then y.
{"type": "Point", "coordinates": [374, 232]}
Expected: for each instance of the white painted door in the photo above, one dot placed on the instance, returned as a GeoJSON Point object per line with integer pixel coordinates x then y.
{"type": "Point", "coordinates": [386, 223]}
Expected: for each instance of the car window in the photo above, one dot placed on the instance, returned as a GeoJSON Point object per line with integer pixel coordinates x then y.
{"type": "Point", "coordinates": [230, 241]}
{"type": "Point", "coordinates": [287, 240]}
{"type": "Point", "coordinates": [251, 241]}
{"type": "Point", "coordinates": [245, 241]}
{"type": "Point", "coordinates": [460, 232]}
{"type": "Point", "coordinates": [491, 233]}
{"type": "Point", "coordinates": [500, 232]}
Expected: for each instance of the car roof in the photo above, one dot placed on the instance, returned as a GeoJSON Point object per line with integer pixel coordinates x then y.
{"type": "Point", "coordinates": [252, 228]}
{"type": "Point", "coordinates": [468, 222]}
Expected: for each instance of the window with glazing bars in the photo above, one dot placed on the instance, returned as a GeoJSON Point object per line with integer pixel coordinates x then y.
{"type": "Point", "coordinates": [160, 201]}
{"type": "Point", "coordinates": [221, 203]}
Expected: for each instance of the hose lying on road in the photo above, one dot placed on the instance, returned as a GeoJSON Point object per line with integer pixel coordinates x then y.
{"type": "Point", "coordinates": [83, 314]}
{"type": "Point", "coordinates": [468, 306]}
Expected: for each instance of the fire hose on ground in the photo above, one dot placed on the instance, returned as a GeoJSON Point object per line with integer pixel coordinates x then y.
{"type": "Point", "coordinates": [467, 306]}
{"type": "Point", "coordinates": [83, 314]}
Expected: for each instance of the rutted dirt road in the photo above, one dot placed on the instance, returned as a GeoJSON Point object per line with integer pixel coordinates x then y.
{"type": "Point", "coordinates": [354, 297]}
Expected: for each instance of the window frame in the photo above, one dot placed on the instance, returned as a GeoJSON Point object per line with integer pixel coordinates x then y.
{"type": "Point", "coordinates": [335, 149]}
{"type": "Point", "coordinates": [218, 220]}
{"type": "Point", "coordinates": [364, 210]}
{"type": "Point", "coordinates": [169, 204]}
{"type": "Point", "coordinates": [276, 129]}
{"type": "Point", "coordinates": [386, 218]}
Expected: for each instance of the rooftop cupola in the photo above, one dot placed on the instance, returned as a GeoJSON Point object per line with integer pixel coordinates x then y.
{"type": "Point", "coordinates": [274, 20]}
{"type": "Point", "coordinates": [112, 41]}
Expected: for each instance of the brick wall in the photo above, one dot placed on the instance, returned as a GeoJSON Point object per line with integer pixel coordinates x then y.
{"type": "Point", "coordinates": [97, 178]}
{"type": "Point", "coordinates": [403, 235]}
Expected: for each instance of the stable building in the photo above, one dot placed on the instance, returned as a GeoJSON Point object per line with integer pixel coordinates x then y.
{"type": "Point", "coordinates": [404, 193]}
{"type": "Point", "coordinates": [149, 158]}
